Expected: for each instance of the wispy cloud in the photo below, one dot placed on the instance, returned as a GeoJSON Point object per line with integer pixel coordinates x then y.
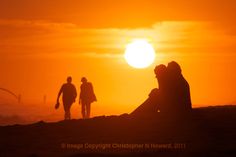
{"type": "Point", "coordinates": [32, 37]}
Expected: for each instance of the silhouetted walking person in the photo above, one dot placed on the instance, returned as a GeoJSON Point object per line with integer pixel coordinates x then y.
{"type": "Point", "coordinates": [69, 95]}
{"type": "Point", "coordinates": [87, 96]}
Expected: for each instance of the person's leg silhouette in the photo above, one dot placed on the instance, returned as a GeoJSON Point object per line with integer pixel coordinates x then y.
{"type": "Point", "coordinates": [83, 110]}
{"type": "Point", "coordinates": [88, 107]}
{"type": "Point", "coordinates": [67, 110]}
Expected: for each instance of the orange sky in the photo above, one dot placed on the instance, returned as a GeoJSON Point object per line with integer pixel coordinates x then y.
{"type": "Point", "coordinates": [42, 42]}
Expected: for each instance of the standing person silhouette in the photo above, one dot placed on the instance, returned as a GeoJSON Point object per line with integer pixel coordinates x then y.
{"type": "Point", "coordinates": [68, 98]}
{"type": "Point", "coordinates": [87, 96]}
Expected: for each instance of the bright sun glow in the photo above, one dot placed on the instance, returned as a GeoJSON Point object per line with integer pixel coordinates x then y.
{"type": "Point", "coordinates": [139, 53]}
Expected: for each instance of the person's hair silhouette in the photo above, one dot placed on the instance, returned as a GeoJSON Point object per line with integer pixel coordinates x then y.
{"type": "Point", "coordinates": [161, 75]}
{"type": "Point", "coordinates": [87, 96]}
{"type": "Point", "coordinates": [69, 95]}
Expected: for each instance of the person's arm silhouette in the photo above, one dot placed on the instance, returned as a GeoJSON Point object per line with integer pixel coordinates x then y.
{"type": "Point", "coordinates": [80, 95]}
{"type": "Point", "coordinates": [58, 97]}
{"type": "Point", "coordinates": [59, 94]}
{"type": "Point", "coordinates": [75, 93]}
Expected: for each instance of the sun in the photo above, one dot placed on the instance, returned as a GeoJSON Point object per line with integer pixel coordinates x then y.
{"type": "Point", "coordinates": [139, 53]}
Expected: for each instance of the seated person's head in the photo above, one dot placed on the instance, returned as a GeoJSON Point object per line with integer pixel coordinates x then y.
{"type": "Point", "coordinates": [173, 68]}
{"type": "Point", "coordinates": [160, 70]}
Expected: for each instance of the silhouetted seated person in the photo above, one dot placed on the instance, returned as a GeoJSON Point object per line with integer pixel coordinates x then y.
{"type": "Point", "coordinates": [68, 97]}
{"type": "Point", "coordinates": [179, 90]}
{"type": "Point", "coordinates": [173, 96]}
{"type": "Point", "coordinates": [156, 97]}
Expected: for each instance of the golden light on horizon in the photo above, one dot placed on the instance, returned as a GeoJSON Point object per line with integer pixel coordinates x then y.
{"type": "Point", "coordinates": [139, 53]}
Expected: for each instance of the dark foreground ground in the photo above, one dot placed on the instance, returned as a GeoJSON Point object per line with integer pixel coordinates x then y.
{"type": "Point", "coordinates": [207, 132]}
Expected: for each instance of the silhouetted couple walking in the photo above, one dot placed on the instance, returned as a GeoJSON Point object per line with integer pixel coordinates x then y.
{"type": "Point", "coordinates": [172, 98]}
{"type": "Point", "coordinates": [69, 95]}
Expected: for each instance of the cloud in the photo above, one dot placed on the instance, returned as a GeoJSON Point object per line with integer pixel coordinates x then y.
{"type": "Point", "coordinates": [46, 38]}
{"type": "Point", "coordinates": [118, 13]}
